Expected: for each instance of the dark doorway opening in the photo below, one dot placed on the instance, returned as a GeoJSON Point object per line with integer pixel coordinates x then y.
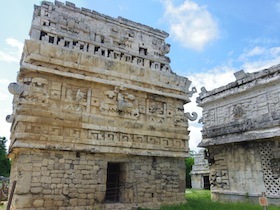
{"type": "Point", "coordinates": [113, 183]}
{"type": "Point", "coordinates": [206, 182]}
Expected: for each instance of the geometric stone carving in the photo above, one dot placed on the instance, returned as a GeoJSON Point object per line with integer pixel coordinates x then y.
{"type": "Point", "coordinates": [271, 169]}
{"type": "Point", "coordinates": [241, 132]}
{"type": "Point", "coordinates": [97, 94]}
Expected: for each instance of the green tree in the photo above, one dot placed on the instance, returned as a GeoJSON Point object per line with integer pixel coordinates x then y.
{"type": "Point", "coordinates": [189, 163]}
{"type": "Point", "coordinates": [5, 164]}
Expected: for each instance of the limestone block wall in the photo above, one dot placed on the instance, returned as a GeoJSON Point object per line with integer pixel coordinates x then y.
{"type": "Point", "coordinates": [70, 180]}
{"type": "Point", "coordinates": [92, 90]}
{"type": "Point", "coordinates": [200, 169]}
{"type": "Point", "coordinates": [240, 110]}
{"type": "Point", "coordinates": [69, 97]}
{"type": "Point", "coordinates": [241, 131]}
{"type": "Point", "coordinates": [243, 171]}
{"type": "Point", "coordinates": [71, 114]}
{"type": "Point", "coordinates": [89, 31]}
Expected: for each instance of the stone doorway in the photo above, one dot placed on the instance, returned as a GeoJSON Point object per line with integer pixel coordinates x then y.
{"type": "Point", "coordinates": [113, 183]}
{"type": "Point", "coordinates": [206, 182]}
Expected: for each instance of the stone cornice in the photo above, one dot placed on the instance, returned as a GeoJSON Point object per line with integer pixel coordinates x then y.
{"type": "Point", "coordinates": [241, 137]}
{"type": "Point", "coordinates": [249, 82]}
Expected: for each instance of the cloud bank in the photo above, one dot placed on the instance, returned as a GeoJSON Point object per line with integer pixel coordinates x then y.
{"type": "Point", "coordinates": [13, 52]}
{"type": "Point", "coordinates": [252, 59]}
{"type": "Point", "coordinates": [259, 57]}
{"type": "Point", "coordinates": [190, 24]}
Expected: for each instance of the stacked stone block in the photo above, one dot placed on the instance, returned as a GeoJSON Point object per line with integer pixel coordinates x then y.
{"type": "Point", "coordinates": [65, 179]}
{"type": "Point", "coordinates": [94, 90]}
{"type": "Point", "coordinates": [241, 131]}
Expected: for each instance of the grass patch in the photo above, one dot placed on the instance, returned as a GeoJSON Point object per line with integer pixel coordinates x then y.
{"type": "Point", "coordinates": [2, 207]}
{"type": "Point", "coordinates": [201, 200]}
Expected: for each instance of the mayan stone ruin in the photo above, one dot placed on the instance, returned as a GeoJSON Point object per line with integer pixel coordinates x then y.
{"type": "Point", "coordinates": [98, 119]}
{"type": "Point", "coordinates": [242, 134]}
{"type": "Point", "coordinates": [200, 172]}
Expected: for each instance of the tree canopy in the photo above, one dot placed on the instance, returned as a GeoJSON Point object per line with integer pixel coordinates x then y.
{"type": "Point", "coordinates": [5, 164]}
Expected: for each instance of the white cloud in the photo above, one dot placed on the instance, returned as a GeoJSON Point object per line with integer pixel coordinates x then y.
{"type": "Point", "coordinates": [252, 60]}
{"type": "Point", "coordinates": [259, 58]}
{"type": "Point", "coordinates": [5, 106]}
{"type": "Point", "coordinates": [256, 51]}
{"type": "Point", "coordinates": [14, 43]}
{"type": "Point", "coordinates": [7, 57]}
{"type": "Point", "coordinates": [211, 79]}
{"type": "Point", "coordinates": [195, 137]}
{"type": "Point", "coordinates": [275, 51]}
{"type": "Point", "coordinates": [13, 53]}
{"type": "Point", "coordinates": [4, 94]}
{"type": "Point", "coordinates": [263, 41]}
{"type": "Point", "coordinates": [260, 64]}
{"type": "Point", "coordinates": [4, 81]}
{"type": "Point", "coordinates": [190, 24]}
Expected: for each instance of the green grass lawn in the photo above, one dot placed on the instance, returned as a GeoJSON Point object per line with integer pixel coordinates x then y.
{"type": "Point", "coordinates": [200, 200]}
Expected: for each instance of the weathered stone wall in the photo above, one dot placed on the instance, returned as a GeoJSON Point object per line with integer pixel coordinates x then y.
{"type": "Point", "coordinates": [241, 131]}
{"type": "Point", "coordinates": [92, 90]}
{"type": "Point", "coordinates": [71, 114]}
{"type": "Point", "coordinates": [67, 180]}
{"type": "Point", "coordinates": [199, 170]}
{"type": "Point", "coordinates": [243, 171]}
{"type": "Point", "coordinates": [69, 97]}
{"type": "Point", "coordinates": [241, 109]}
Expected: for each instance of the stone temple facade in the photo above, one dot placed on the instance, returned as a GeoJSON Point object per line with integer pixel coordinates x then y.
{"type": "Point", "coordinates": [200, 172]}
{"type": "Point", "coordinates": [98, 119]}
{"type": "Point", "coordinates": [242, 133]}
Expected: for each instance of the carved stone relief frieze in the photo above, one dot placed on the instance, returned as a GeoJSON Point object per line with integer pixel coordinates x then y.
{"type": "Point", "coordinates": [156, 108]}
{"type": "Point", "coordinates": [260, 105]}
{"type": "Point", "coordinates": [219, 178]}
{"type": "Point", "coordinates": [120, 101]}
{"type": "Point", "coordinates": [76, 98]}
{"type": "Point", "coordinates": [107, 136]}
{"type": "Point", "coordinates": [181, 118]}
{"type": "Point", "coordinates": [35, 91]}
{"type": "Point", "coordinates": [274, 101]}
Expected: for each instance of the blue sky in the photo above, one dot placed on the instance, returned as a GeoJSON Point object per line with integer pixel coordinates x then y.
{"type": "Point", "coordinates": [209, 39]}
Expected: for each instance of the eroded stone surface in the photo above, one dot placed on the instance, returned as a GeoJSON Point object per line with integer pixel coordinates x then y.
{"type": "Point", "coordinates": [94, 90]}
{"type": "Point", "coordinates": [242, 134]}
{"type": "Point", "coordinates": [200, 171]}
